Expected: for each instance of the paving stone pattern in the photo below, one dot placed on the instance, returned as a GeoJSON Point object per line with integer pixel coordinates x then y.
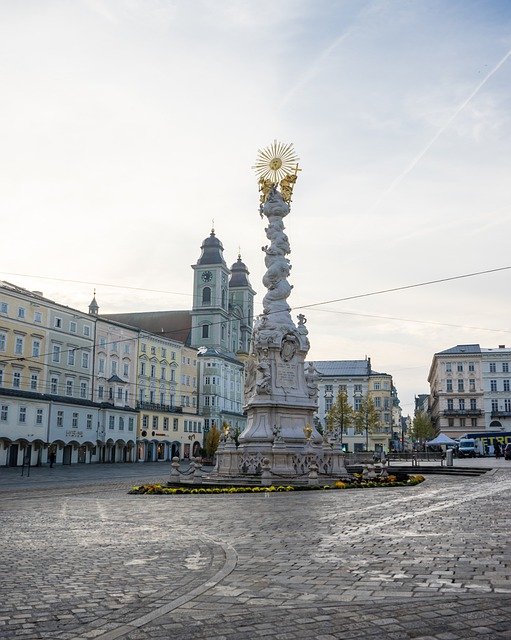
{"type": "Point", "coordinates": [82, 559]}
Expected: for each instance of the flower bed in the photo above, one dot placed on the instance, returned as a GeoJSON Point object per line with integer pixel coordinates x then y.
{"type": "Point", "coordinates": [356, 483]}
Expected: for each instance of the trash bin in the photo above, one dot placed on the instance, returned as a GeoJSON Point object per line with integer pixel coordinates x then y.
{"type": "Point", "coordinates": [448, 458]}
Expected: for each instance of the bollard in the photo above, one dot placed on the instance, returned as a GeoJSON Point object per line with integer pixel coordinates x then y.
{"type": "Point", "coordinates": [448, 458]}
{"type": "Point", "coordinates": [174, 471]}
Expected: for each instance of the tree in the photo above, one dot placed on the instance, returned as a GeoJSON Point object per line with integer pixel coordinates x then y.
{"type": "Point", "coordinates": [211, 441]}
{"type": "Point", "coordinates": [341, 416]}
{"type": "Point", "coordinates": [422, 427]}
{"type": "Point", "coordinates": [367, 419]}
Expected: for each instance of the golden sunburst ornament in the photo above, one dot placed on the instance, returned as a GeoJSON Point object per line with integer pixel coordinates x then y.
{"type": "Point", "coordinates": [276, 162]}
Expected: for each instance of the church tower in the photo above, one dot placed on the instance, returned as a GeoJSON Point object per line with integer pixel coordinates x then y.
{"type": "Point", "coordinates": [210, 311]}
{"type": "Point", "coordinates": [241, 298]}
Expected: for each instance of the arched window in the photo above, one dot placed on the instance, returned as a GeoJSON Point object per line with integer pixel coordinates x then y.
{"type": "Point", "coordinates": [223, 298]}
{"type": "Point", "coordinates": [206, 295]}
{"type": "Point", "coordinates": [205, 330]}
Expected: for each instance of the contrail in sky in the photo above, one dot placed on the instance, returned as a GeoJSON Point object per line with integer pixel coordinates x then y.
{"type": "Point", "coordinates": [412, 164]}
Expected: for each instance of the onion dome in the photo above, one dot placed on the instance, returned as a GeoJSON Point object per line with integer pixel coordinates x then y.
{"type": "Point", "coordinates": [212, 251]}
{"type": "Point", "coordinates": [239, 274]}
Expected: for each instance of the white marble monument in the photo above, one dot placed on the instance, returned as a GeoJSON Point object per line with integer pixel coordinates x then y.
{"type": "Point", "coordinates": [280, 440]}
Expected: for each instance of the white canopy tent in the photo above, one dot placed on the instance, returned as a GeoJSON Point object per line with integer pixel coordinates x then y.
{"type": "Point", "coordinates": [441, 439]}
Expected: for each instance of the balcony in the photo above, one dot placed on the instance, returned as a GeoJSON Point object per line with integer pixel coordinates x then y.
{"type": "Point", "coordinates": [153, 406]}
{"type": "Point", "coordinates": [462, 412]}
{"type": "Point", "coordinates": [501, 414]}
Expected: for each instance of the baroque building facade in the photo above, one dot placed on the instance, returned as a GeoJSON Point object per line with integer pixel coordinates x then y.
{"type": "Point", "coordinates": [470, 390]}
{"type": "Point", "coordinates": [357, 379]}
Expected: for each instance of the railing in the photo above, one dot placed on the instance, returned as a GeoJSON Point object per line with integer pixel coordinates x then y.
{"type": "Point", "coordinates": [414, 455]}
{"type": "Point", "coordinates": [153, 406]}
{"type": "Point", "coordinates": [501, 414]}
{"type": "Point", "coordinates": [463, 412]}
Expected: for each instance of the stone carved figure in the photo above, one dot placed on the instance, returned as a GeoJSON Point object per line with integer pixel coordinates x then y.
{"type": "Point", "coordinates": [311, 378]}
{"type": "Point", "coordinates": [263, 385]}
{"type": "Point", "coordinates": [250, 375]}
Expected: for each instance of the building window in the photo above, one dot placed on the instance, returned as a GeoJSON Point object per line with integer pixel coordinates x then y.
{"type": "Point", "coordinates": [126, 370]}
{"type": "Point", "coordinates": [72, 327]}
{"type": "Point", "coordinates": [119, 393]}
{"type": "Point", "coordinates": [101, 391]}
{"type": "Point", "coordinates": [101, 365]}
{"type": "Point", "coordinates": [143, 347]}
{"type": "Point", "coordinates": [71, 357]}
{"type": "Point", "coordinates": [145, 421]}
{"type": "Point", "coordinates": [114, 367]}
{"type": "Point", "coordinates": [111, 422]}
{"type": "Point", "coordinates": [377, 386]}
{"type": "Point", "coordinates": [357, 404]}
{"type": "Point", "coordinates": [69, 388]}
{"type": "Point", "coordinates": [377, 403]}
{"type": "Point", "coordinates": [358, 388]}
{"type": "Point", "coordinates": [165, 424]}
{"type": "Point", "coordinates": [471, 366]}
{"type": "Point", "coordinates": [328, 404]}
{"type": "Point", "coordinates": [494, 405]}
{"type": "Point", "coordinates": [461, 404]}
{"type": "Point", "coordinates": [18, 349]}
{"type": "Point", "coordinates": [172, 375]}
{"type": "Point", "coordinates": [130, 424]}
{"type": "Point", "coordinates": [153, 371]}
{"type": "Point", "coordinates": [57, 323]}
{"type": "Point", "coordinates": [506, 385]}
{"type": "Point", "coordinates": [75, 420]}
{"type": "Point", "coordinates": [450, 422]}
{"type": "Point", "coordinates": [36, 349]}
{"type": "Point", "coordinates": [114, 346]}
{"type": "Point", "coordinates": [121, 423]}
{"type": "Point", "coordinates": [83, 389]}
{"type": "Point", "coordinates": [505, 367]}
{"type": "Point", "coordinates": [206, 295]}
{"type": "Point", "coordinates": [23, 414]}
{"type": "Point", "coordinates": [472, 384]}
{"type": "Point", "coordinates": [461, 386]}
{"type": "Point", "coordinates": [85, 360]}
{"type": "Point", "coordinates": [4, 307]}
{"type": "Point", "coordinates": [4, 412]}
{"type": "Point", "coordinates": [493, 385]}
{"type": "Point", "coordinates": [89, 421]}
{"type": "Point", "coordinates": [54, 385]}
{"type": "Point", "coordinates": [205, 330]}
{"type": "Point", "coordinates": [1, 377]}
{"type": "Point", "coordinates": [448, 367]}
{"type": "Point", "coordinates": [126, 348]}
{"type": "Point", "coordinates": [86, 330]}
{"type": "Point", "coordinates": [16, 380]}
{"type": "Point", "coordinates": [142, 368]}
{"type": "Point", "coordinates": [507, 405]}
{"type": "Point", "coordinates": [462, 423]}
{"type": "Point", "coordinates": [450, 404]}
{"type": "Point", "coordinates": [34, 379]}
{"type": "Point", "coordinates": [473, 422]}
{"type": "Point", "coordinates": [21, 313]}
{"type": "Point", "coordinates": [493, 367]}
{"type": "Point", "coordinates": [186, 425]}
{"type": "Point", "coordinates": [3, 341]}
{"type": "Point", "coordinates": [163, 373]}
{"type": "Point", "coordinates": [329, 388]}
{"type": "Point", "coordinates": [155, 422]}
{"type": "Point", "coordinates": [60, 418]}
{"type": "Point", "coordinates": [448, 384]}
{"type": "Point", "coordinates": [473, 404]}
{"type": "Point", "coordinates": [459, 367]}
{"type": "Point", "coordinates": [175, 424]}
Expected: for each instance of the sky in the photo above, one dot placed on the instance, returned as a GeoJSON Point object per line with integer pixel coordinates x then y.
{"type": "Point", "coordinates": [130, 127]}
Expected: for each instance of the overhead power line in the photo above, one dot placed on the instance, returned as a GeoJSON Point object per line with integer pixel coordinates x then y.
{"type": "Point", "coordinates": [408, 286]}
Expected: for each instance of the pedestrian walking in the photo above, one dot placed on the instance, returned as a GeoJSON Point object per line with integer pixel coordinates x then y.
{"type": "Point", "coordinates": [496, 448]}
{"type": "Point", "coordinates": [52, 457]}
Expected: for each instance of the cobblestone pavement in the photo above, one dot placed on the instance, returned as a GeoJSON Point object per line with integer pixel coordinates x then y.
{"type": "Point", "coordinates": [82, 559]}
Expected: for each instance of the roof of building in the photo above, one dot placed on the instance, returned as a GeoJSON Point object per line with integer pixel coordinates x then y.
{"type": "Point", "coordinates": [343, 367]}
{"type": "Point", "coordinates": [212, 251]}
{"type": "Point", "coordinates": [239, 273]}
{"type": "Point", "coordinates": [460, 349]}
{"type": "Point", "coordinates": [174, 325]}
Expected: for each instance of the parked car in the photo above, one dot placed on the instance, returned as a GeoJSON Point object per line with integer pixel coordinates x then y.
{"type": "Point", "coordinates": [507, 451]}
